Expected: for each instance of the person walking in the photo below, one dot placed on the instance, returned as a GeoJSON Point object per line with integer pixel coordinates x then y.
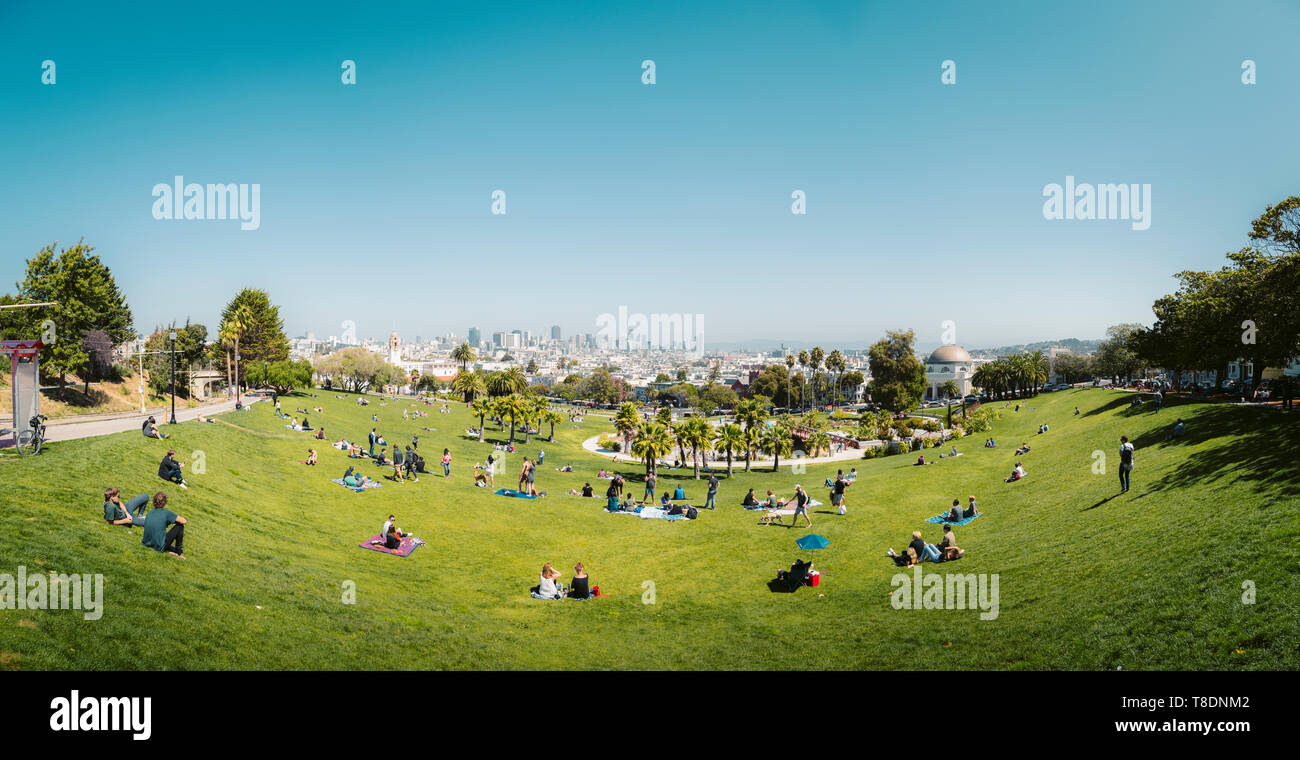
{"type": "Point", "coordinates": [1125, 463]}
{"type": "Point", "coordinates": [711, 497]}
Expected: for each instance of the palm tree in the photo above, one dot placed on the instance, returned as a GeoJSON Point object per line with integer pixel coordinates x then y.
{"type": "Point", "coordinates": [552, 418]}
{"type": "Point", "coordinates": [652, 442]}
{"type": "Point", "coordinates": [819, 442]}
{"type": "Point", "coordinates": [789, 368]}
{"type": "Point", "coordinates": [777, 441]}
{"type": "Point", "coordinates": [481, 407]}
{"type": "Point", "coordinates": [227, 339]}
{"type": "Point", "coordinates": [236, 326]}
{"type": "Point", "coordinates": [751, 414]}
{"type": "Point", "coordinates": [815, 359]}
{"type": "Point", "coordinates": [699, 434]}
{"type": "Point", "coordinates": [517, 408]}
{"type": "Point", "coordinates": [804, 361]}
{"type": "Point", "coordinates": [729, 438]}
{"type": "Point", "coordinates": [1040, 369]}
{"type": "Point", "coordinates": [464, 353]}
{"type": "Point", "coordinates": [626, 421]}
{"type": "Point", "coordinates": [466, 384]}
{"type": "Point", "coordinates": [835, 363]}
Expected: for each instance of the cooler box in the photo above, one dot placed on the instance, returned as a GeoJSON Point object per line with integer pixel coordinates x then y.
{"type": "Point", "coordinates": [814, 578]}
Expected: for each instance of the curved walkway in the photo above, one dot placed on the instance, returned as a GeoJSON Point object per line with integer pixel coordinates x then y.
{"type": "Point", "coordinates": [849, 454]}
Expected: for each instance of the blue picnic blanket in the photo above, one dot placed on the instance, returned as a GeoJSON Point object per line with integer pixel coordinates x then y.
{"type": "Point", "coordinates": [516, 494]}
{"type": "Point", "coordinates": [942, 519]}
{"type": "Point", "coordinates": [358, 489]}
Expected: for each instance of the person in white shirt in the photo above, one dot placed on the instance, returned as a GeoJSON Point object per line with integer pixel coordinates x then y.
{"type": "Point", "coordinates": [546, 587]}
{"type": "Point", "coordinates": [1125, 462]}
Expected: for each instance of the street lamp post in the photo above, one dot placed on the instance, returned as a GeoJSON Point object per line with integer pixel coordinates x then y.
{"type": "Point", "coordinates": [173, 352]}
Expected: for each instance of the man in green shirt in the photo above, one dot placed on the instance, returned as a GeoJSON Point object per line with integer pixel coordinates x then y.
{"type": "Point", "coordinates": [157, 536]}
{"type": "Point", "coordinates": [131, 513]}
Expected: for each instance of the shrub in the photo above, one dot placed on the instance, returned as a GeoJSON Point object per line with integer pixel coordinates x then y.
{"type": "Point", "coordinates": [606, 442]}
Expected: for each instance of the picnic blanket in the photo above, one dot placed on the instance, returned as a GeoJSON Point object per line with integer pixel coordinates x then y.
{"type": "Point", "coordinates": [942, 519]}
{"type": "Point", "coordinates": [655, 513]}
{"type": "Point", "coordinates": [516, 494]}
{"type": "Point", "coordinates": [623, 511]}
{"type": "Point", "coordinates": [403, 550]}
{"type": "Point", "coordinates": [358, 489]}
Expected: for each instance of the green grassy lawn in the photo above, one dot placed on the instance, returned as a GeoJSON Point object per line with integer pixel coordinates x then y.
{"type": "Point", "coordinates": [1148, 580]}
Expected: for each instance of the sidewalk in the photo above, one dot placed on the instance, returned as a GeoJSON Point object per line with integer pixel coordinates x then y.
{"type": "Point", "coordinates": [109, 424]}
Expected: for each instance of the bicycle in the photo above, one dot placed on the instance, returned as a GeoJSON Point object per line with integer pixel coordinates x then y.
{"type": "Point", "coordinates": [29, 441]}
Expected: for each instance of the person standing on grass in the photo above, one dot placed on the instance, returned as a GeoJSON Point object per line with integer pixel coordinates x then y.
{"type": "Point", "coordinates": [446, 463]}
{"type": "Point", "coordinates": [649, 495]}
{"type": "Point", "coordinates": [523, 475]}
{"type": "Point", "coordinates": [532, 473]}
{"type": "Point", "coordinates": [373, 437]}
{"type": "Point", "coordinates": [1125, 463]}
{"type": "Point", "coordinates": [712, 495]}
{"type": "Point", "coordinates": [801, 506]}
{"type": "Point", "coordinates": [157, 536]}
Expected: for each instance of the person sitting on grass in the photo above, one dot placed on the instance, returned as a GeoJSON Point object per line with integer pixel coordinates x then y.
{"type": "Point", "coordinates": [1179, 430]}
{"type": "Point", "coordinates": [971, 509]}
{"type": "Point", "coordinates": [665, 502]}
{"type": "Point", "coordinates": [157, 535]}
{"type": "Point", "coordinates": [320, 435]}
{"type": "Point", "coordinates": [921, 460]}
{"type": "Point", "coordinates": [1076, 411]}
{"type": "Point", "coordinates": [391, 539]}
{"type": "Point", "coordinates": [956, 513]}
{"type": "Point", "coordinates": [580, 588]}
{"type": "Point", "coordinates": [915, 551]}
{"type": "Point", "coordinates": [1016, 474]}
{"type": "Point", "coordinates": [629, 504]}
{"type": "Point", "coordinates": [150, 429]}
{"type": "Point", "coordinates": [1024, 449]}
{"type": "Point", "coordinates": [170, 470]}
{"type": "Point", "coordinates": [587, 490]}
{"type": "Point", "coordinates": [382, 458]}
{"type": "Point", "coordinates": [546, 586]}
{"type": "Point", "coordinates": [949, 544]}
{"type": "Point", "coordinates": [311, 457]}
{"type": "Point", "coordinates": [750, 501]}
{"type": "Point", "coordinates": [117, 513]}
{"type": "Point", "coordinates": [355, 479]}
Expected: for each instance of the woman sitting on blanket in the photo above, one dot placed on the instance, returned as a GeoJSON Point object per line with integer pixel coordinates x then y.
{"type": "Point", "coordinates": [1017, 473]}
{"type": "Point", "coordinates": [355, 480]}
{"type": "Point", "coordinates": [391, 539]}
{"type": "Point", "coordinates": [311, 457]}
{"type": "Point", "coordinates": [580, 588]}
{"type": "Point", "coordinates": [546, 587]}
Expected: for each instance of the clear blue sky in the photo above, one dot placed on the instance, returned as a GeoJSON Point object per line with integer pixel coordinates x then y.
{"type": "Point", "coordinates": [675, 197]}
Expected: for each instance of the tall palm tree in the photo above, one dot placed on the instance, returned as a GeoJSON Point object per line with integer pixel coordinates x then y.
{"type": "Point", "coordinates": [515, 380]}
{"type": "Point", "coordinates": [698, 434]}
{"type": "Point", "coordinates": [815, 358]}
{"type": "Point", "coordinates": [804, 361]}
{"type": "Point", "coordinates": [835, 363]}
{"type": "Point", "coordinates": [482, 408]}
{"type": "Point", "coordinates": [652, 442]}
{"type": "Point", "coordinates": [729, 438]}
{"type": "Point", "coordinates": [789, 368]}
{"type": "Point", "coordinates": [237, 326]}
{"type": "Point", "coordinates": [517, 408]}
{"type": "Point", "coordinates": [464, 353]}
{"type": "Point", "coordinates": [1040, 368]}
{"type": "Point", "coordinates": [227, 339]}
{"type": "Point", "coordinates": [626, 422]}
{"type": "Point", "coordinates": [778, 442]}
{"type": "Point", "coordinates": [751, 414]}
{"type": "Point", "coordinates": [819, 441]}
{"type": "Point", "coordinates": [465, 383]}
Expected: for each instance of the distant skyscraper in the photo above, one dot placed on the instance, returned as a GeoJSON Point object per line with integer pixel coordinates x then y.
{"type": "Point", "coordinates": [475, 337]}
{"type": "Point", "coordinates": [555, 332]}
{"type": "Point", "coordinates": [499, 339]}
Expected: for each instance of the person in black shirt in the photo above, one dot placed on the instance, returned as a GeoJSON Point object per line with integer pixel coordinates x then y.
{"type": "Point", "coordinates": [579, 588]}
{"type": "Point", "coordinates": [712, 495]}
{"type": "Point", "coordinates": [586, 490]}
{"type": "Point", "coordinates": [750, 500]}
{"type": "Point", "coordinates": [169, 469]}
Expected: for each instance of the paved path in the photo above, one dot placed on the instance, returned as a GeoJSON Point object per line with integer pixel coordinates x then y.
{"type": "Point", "coordinates": [848, 454]}
{"type": "Point", "coordinates": [74, 430]}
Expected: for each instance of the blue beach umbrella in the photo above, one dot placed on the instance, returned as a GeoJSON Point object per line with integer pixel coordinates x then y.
{"type": "Point", "coordinates": [812, 541]}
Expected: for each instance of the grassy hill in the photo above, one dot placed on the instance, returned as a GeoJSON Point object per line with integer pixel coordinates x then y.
{"type": "Point", "coordinates": [1088, 579]}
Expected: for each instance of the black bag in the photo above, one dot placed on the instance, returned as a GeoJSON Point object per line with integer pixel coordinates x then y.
{"type": "Point", "coordinates": [691, 513]}
{"type": "Point", "coordinates": [675, 509]}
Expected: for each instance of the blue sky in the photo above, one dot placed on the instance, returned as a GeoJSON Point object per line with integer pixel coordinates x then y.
{"type": "Point", "coordinates": [924, 200]}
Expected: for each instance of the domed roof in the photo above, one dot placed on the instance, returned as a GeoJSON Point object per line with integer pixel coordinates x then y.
{"type": "Point", "coordinates": [950, 354]}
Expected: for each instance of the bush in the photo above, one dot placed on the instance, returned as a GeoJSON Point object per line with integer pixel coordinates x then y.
{"type": "Point", "coordinates": [606, 442]}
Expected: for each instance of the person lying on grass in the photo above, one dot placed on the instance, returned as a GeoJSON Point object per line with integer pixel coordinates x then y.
{"type": "Point", "coordinates": [1016, 474]}
{"type": "Point", "coordinates": [355, 480]}
{"type": "Point", "coordinates": [117, 513]}
{"type": "Point", "coordinates": [157, 535]}
{"type": "Point", "coordinates": [1024, 449]}
{"type": "Point", "coordinates": [170, 470]}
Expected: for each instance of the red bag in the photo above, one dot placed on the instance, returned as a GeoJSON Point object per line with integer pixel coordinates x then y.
{"type": "Point", "coordinates": [595, 590]}
{"type": "Point", "coordinates": [814, 578]}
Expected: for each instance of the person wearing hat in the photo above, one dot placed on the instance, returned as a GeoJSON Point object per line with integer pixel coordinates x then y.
{"type": "Point", "coordinates": [801, 505]}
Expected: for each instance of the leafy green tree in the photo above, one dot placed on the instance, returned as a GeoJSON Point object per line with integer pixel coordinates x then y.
{"type": "Point", "coordinates": [897, 376]}
{"type": "Point", "coordinates": [258, 329]}
{"type": "Point", "coordinates": [652, 442]}
{"type": "Point", "coordinates": [778, 442]}
{"type": "Point", "coordinates": [87, 299]}
{"type": "Point", "coordinates": [729, 439]}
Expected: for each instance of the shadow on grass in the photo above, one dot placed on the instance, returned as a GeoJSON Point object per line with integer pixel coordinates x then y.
{"type": "Point", "coordinates": [1098, 504]}
{"type": "Point", "coordinates": [1258, 446]}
